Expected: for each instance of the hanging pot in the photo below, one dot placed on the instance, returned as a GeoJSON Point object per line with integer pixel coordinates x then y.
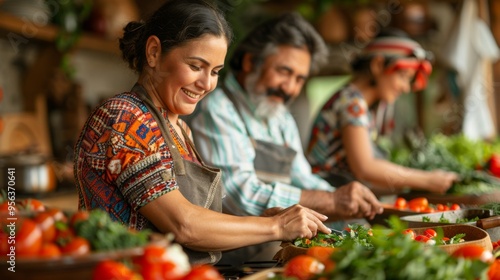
{"type": "Point", "coordinates": [27, 173]}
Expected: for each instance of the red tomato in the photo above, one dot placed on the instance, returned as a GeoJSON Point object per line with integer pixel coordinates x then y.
{"type": "Point", "coordinates": [455, 206]}
{"type": "Point", "coordinates": [401, 203]}
{"type": "Point", "coordinates": [494, 165]}
{"type": "Point", "coordinates": [58, 215]}
{"type": "Point", "coordinates": [203, 272]}
{"type": "Point", "coordinates": [419, 202]}
{"type": "Point", "coordinates": [472, 251]}
{"type": "Point", "coordinates": [410, 233]}
{"type": "Point", "coordinates": [113, 270]}
{"type": "Point", "coordinates": [77, 217]}
{"type": "Point", "coordinates": [428, 209]}
{"type": "Point", "coordinates": [494, 270]}
{"type": "Point", "coordinates": [28, 238]}
{"type": "Point", "coordinates": [76, 246]}
{"type": "Point", "coordinates": [46, 223]}
{"type": "Point", "coordinates": [7, 206]}
{"type": "Point", "coordinates": [49, 250]}
{"type": "Point", "coordinates": [495, 245]}
{"type": "Point", "coordinates": [31, 204]}
{"type": "Point", "coordinates": [439, 207]}
{"type": "Point", "coordinates": [322, 254]}
{"type": "Point", "coordinates": [422, 238]}
{"type": "Point", "coordinates": [64, 233]}
{"type": "Point", "coordinates": [430, 233]}
{"type": "Point", "coordinates": [153, 264]}
{"type": "Point", "coordinates": [303, 267]}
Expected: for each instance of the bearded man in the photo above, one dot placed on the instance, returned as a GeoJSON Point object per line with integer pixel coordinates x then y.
{"type": "Point", "coordinates": [245, 128]}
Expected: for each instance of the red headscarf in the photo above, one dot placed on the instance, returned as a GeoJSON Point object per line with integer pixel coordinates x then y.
{"type": "Point", "coordinates": [394, 48]}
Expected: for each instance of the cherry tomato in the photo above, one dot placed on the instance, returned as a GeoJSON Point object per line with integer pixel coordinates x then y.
{"type": "Point", "coordinates": [31, 204]}
{"type": "Point", "coordinates": [76, 246]}
{"type": "Point", "coordinates": [57, 214]}
{"type": "Point", "coordinates": [410, 233]}
{"type": "Point", "coordinates": [419, 202]}
{"type": "Point", "coordinates": [455, 206]}
{"type": "Point", "coordinates": [422, 238]}
{"type": "Point", "coordinates": [439, 207]}
{"type": "Point", "coordinates": [154, 264]}
{"type": "Point", "coordinates": [495, 245]}
{"type": "Point", "coordinates": [28, 238]}
{"type": "Point", "coordinates": [428, 209]}
{"type": "Point", "coordinates": [472, 251]}
{"type": "Point", "coordinates": [430, 233]}
{"type": "Point", "coordinates": [8, 206]}
{"type": "Point", "coordinates": [494, 270]}
{"type": "Point", "coordinates": [322, 254]}
{"type": "Point", "coordinates": [401, 203]}
{"type": "Point", "coordinates": [49, 250]}
{"type": "Point", "coordinates": [113, 270]}
{"type": "Point", "coordinates": [46, 223]}
{"type": "Point", "coordinates": [64, 233]}
{"type": "Point", "coordinates": [494, 165]}
{"type": "Point", "coordinates": [203, 272]}
{"type": "Point", "coordinates": [77, 217]}
{"type": "Point", "coordinates": [303, 267]}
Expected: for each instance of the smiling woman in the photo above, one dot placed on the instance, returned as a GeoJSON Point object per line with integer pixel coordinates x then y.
{"type": "Point", "coordinates": [135, 159]}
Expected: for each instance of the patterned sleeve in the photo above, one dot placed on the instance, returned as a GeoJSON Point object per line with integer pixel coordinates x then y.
{"type": "Point", "coordinates": [138, 159]}
{"type": "Point", "coordinates": [353, 110]}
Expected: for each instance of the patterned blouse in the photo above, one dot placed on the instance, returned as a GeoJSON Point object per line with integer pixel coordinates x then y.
{"type": "Point", "coordinates": [326, 151]}
{"type": "Point", "coordinates": [122, 161]}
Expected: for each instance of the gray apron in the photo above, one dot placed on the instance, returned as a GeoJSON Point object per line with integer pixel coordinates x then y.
{"type": "Point", "coordinates": [199, 184]}
{"type": "Point", "coordinates": [272, 163]}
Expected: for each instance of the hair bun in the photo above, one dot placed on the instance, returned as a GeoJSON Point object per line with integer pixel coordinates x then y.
{"type": "Point", "coordinates": [131, 35]}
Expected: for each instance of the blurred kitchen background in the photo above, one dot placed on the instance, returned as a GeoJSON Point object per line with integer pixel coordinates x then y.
{"type": "Point", "coordinates": [60, 58]}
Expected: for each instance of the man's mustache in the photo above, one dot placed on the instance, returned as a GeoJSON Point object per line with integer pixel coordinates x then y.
{"type": "Point", "coordinates": [278, 93]}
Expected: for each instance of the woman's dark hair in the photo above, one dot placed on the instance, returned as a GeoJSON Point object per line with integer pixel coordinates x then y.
{"type": "Point", "coordinates": [175, 23]}
{"type": "Point", "coordinates": [289, 29]}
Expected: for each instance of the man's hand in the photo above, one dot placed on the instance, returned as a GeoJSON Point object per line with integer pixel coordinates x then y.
{"type": "Point", "coordinates": [355, 200]}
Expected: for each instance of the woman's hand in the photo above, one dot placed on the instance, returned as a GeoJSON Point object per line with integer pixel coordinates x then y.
{"type": "Point", "coordinates": [440, 181]}
{"type": "Point", "coordinates": [299, 221]}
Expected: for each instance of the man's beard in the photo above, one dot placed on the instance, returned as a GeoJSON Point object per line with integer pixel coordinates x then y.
{"type": "Point", "coordinates": [266, 108]}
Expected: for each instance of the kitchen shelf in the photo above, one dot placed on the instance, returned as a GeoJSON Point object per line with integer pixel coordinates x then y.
{"type": "Point", "coordinates": [10, 23]}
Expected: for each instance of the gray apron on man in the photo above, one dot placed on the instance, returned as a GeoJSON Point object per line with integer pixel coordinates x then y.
{"type": "Point", "coordinates": [199, 184]}
{"type": "Point", "coordinates": [273, 162]}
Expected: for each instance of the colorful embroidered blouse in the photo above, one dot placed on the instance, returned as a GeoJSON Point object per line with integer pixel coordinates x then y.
{"type": "Point", "coordinates": [122, 161]}
{"type": "Point", "coordinates": [326, 151]}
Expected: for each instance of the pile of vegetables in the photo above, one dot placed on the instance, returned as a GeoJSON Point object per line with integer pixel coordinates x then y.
{"type": "Point", "coordinates": [42, 232]}
{"type": "Point", "coordinates": [473, 160]}
{"type": "Point", "coordinates": [394, 256]}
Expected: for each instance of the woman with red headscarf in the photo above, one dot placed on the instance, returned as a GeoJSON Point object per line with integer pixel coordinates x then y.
{"type": "Point", "coordinates": [342, 148]}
